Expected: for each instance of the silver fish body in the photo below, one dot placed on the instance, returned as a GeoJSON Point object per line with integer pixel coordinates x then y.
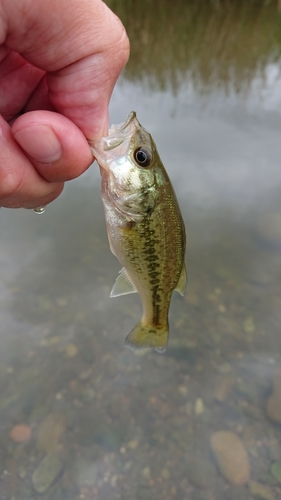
{"type": "Point", "coordinates": [145, 227]}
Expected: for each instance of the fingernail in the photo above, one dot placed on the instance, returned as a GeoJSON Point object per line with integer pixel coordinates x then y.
{"type": "Point", "coordinates": [40, 143]}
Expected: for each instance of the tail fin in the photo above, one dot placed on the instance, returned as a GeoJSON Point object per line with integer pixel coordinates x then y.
{"type": "Point", "coordinates": [148, 336]}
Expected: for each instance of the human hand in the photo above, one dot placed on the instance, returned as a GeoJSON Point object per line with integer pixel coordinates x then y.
{"type": "Point", "coordinates": [59, 61]}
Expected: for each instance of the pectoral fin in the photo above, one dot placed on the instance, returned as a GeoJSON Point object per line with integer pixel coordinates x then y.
{"type": "Point", "coordinates": [182, 281]}
{"type": "Point", "coordinates": [123, 284]}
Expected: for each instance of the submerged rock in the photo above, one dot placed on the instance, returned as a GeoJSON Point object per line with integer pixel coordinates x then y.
{"type": "Point", "coordinates": [273, 405]}
{"type": "Point", "coordinates": [261, 491]}
{"type": "Point", "coordinates": [50, 432]}
{"type": "Point", "coordinates": [20, 433]}
{"type": "Point", "coordinates": [199, 406]}
{"type": "Point", "coordinates": [231, 457]}
{"type": "Point", "coordinates": [46, 473]}
{"type": "Point", "coordinates": [222, 389]}
{"type": "Point", "coordinates": [249, 325]}
{"type": "Point", "coordinates": [276, 470]}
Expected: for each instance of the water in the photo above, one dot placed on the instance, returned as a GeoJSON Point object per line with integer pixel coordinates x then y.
{"type": "Point", "coordinates": [106, 423]}
{"type": "Point", "coordinates": [40, 210]}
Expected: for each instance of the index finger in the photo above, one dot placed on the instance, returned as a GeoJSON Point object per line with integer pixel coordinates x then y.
{"type": "Point", "coordinates": [81, 45]}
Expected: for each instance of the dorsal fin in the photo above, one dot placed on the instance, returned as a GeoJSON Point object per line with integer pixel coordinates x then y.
{"type": "Point", "coordinates": [182, 281]}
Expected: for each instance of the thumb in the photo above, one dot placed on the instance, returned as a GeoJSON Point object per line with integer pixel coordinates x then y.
{"type": "Point", "coordinates": [54, 145]}
{"type": "Point", "coordinates": [80, 44]}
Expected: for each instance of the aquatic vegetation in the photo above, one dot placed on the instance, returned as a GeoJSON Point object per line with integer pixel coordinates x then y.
{"type": "Point", "coordinates": [211, 44]}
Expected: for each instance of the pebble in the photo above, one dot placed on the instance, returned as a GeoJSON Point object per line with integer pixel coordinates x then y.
{"type": "Point", "coordinates": [71, 350]}
{"type": "Point", "coordinates": [231, 457]}
{"type": "Point", "coordinates": [85, 374]}
{"type": "Point", "coordinates": [183, 390]}
{"type": "Point", "coordinates": [87, 395]}
{"type": "Point", "coordinates": [199, 406]}
{"type": "Point", "coordinates": [165, 473]}
{"type": "Point", "coordinates": [50, 341]}
{"type": "Point", "coordinates": [46, 473]}
{"type": "Point", "coordinates": [21, 471]}
{"type": "Point", "coordinates": [50, 432]}
{"type": "Point", "coordinates": [20, 433]}
{"type": "Point", "coordinates": [249, 325]}
{"type": "Point", "coordinates": [276, 470]}
{"type": "Point", "coordinates": [146, 473]}
{"type": "Point", "coordinates": [133, 444]}
{"type": "Point", "coordinates": [261, 491]}
{"type": "Point", "coordinates": [273, 405]}
{"type": "Point", "coordinates": [252, 411]}
{"type": "Point", "coordinates": [222, 389]}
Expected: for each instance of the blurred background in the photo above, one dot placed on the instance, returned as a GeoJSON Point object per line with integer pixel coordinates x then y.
{"type": "Point", "coordinates": [83, 417]}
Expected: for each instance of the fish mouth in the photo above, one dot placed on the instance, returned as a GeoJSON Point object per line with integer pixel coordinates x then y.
{"type": "Point", "coordinates": [118, 133]}
{"type": "Point", "coordinates": [116, 143]}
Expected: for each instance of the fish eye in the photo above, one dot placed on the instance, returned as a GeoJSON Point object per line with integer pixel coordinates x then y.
{"type": "Point", "coordinates": [143, 157]}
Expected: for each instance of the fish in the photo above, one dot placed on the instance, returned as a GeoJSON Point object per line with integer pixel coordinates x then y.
{"type": "Point", "coordinates": [145, 227]}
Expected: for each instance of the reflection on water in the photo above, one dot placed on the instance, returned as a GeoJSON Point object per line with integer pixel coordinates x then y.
{"type": "Point", "coordinates": [212, 44]}
{"type": "Point", "coordinates": [81, 417]}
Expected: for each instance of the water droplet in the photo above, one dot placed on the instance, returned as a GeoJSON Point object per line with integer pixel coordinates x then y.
{"type": "Point", "coordinates": [39, 210]}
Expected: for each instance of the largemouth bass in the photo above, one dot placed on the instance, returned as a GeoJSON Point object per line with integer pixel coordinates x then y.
{"type": "Point", "coordinates": [145, 227]}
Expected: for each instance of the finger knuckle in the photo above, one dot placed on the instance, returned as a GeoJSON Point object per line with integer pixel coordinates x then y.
{"type": "Point", "coordinates": [10, 184]}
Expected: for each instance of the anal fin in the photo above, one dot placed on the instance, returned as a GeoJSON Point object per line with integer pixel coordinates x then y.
{"type": "Point", "coordinates": [123, 284]}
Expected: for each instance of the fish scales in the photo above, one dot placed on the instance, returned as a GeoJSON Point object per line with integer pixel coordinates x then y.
{"type": "Point", "coordinates": [145, 227]}
{"type": "Point", "coordinates": [149, 249]}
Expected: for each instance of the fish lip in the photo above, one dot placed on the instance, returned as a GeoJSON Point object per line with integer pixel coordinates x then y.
{"type": "Point", "coordinates": [117, 134]}
{"type": "Point", "coordinates": [132, 117]}
{"type": "Point", "coordinates": [122, 130]}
